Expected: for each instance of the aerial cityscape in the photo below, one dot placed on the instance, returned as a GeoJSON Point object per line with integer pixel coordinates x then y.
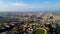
{"type": "Point", "coordinates": [29, 23]}
{"type": "Point", "coordinates": [29, 16]}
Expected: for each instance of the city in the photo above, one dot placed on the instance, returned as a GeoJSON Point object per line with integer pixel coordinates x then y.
{"type": "Point", "coordinates": [29, 22]}
{"type": "Point", "coordinates": [29, 16]}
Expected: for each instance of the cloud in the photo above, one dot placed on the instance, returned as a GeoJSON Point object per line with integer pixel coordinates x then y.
{"type": "Point", "coordinates": [21, 6]}
{"type": "Point", "coordinates": [16, 6]}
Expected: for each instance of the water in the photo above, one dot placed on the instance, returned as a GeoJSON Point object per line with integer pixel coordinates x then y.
{"type": "Point", "coordinates": [58, 28]}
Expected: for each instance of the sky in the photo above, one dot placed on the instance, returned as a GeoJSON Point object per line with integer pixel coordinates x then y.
{"type": "Point", "coordinates": [29, 5]}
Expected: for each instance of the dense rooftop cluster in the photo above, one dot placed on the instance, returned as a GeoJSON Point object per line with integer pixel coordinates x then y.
{"type": "Point", "coordinates": [26, 23]}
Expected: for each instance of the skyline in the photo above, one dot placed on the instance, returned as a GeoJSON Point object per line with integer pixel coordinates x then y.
{"type": "Point", "coordinates": [29, 5]}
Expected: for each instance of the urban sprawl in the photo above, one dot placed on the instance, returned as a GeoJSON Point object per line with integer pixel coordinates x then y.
{"type": "Point", "coordinates": [29, 23]}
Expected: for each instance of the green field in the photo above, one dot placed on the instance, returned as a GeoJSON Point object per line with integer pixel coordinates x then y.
{"type": "Point", "coordinates": [40, 31]}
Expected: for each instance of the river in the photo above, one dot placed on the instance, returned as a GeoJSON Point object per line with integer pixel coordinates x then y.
{"type": "Point", "coordinates": [58, 28]}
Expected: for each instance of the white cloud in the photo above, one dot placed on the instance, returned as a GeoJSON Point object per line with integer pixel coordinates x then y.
{"type": "Point", "coordinates": [16, 6]}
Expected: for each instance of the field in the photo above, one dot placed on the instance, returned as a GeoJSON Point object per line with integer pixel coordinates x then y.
{"type": "Point", "coordinates": [40, 31]}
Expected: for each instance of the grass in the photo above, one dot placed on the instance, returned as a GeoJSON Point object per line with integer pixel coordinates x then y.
{"type": "Point", "coordinates": [58, 21]}
{"type": "Point", "coordinates": [40, 31]}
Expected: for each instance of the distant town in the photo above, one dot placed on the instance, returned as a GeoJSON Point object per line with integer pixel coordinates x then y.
{"type": "Point", "coordinates": [29, 23]}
